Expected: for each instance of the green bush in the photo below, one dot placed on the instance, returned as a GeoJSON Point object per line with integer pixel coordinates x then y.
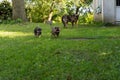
{"type": "Point", "coordinates": [5, 11]}
{"type": "Point", "coordinates": [89, 18]}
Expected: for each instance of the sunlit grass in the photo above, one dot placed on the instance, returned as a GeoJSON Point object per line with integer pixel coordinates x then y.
{"type": "Point", "coordinates": [13, 34]}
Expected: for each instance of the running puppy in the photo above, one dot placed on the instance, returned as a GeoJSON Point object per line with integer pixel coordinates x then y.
{"type": "Point", "coordinates": [55, 31]}
{"type": "Point", "coordinates": [37, 31]}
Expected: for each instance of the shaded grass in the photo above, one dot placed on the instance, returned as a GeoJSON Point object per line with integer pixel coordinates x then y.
{"type": "Point", "coordinates": [45, 58]}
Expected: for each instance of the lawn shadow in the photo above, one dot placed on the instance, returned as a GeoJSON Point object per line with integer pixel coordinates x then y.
{"type": "Point", "coordinates": [93, 38]}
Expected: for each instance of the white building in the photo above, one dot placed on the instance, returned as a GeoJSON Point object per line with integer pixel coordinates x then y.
{"type": "Point", "coordinates": [107, 11]}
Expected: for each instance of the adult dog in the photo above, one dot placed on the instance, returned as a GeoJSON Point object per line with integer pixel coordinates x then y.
{"type": "Point", "coordinates": [70, 18]}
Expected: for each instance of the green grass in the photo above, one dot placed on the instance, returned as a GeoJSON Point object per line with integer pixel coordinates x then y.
{"type": "Point", "coordinates": [83, 53]}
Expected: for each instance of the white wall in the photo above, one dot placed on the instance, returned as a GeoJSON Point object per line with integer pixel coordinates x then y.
{"type": "Point", "coordinates": [108, 11]}
{"type": "Point", "coordinates": [97, 10]}
{"type": "Point", "coordinates": [117, 14]}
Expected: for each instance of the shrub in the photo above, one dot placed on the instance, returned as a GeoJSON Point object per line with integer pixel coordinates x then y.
{"type": "Point", "coordinates": [89, 18]}
{"type": "Point", "coordinates": [5, 11]}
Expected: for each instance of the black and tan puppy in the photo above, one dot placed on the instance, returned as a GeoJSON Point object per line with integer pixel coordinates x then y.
{"type": "Point", "coordinates": [55, 31]}
{"type": "Point", "coordinates": [37, 31]}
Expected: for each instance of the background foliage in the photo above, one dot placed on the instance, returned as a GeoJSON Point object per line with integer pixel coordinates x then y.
{"type": "Point", "coordinates": [5, 11]}
{"type": "Point", "coordinates": [39, 10]}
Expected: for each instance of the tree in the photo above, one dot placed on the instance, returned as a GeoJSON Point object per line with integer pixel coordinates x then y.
{"type": "Point", "coordinates": [53, 6]}
{"type": "Point", "coordinates": [18, 10]}
{"type": "Point", "coordinates": [5, 10]}
{"type": "Point", "coordinates": [43, 10]}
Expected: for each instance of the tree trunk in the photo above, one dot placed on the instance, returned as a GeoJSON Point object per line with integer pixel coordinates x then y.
{"type": "Point", "coordinates": [50, 16]}
{"type": "Point", "coordinates": [51, 12]}
{"type": "Point", "coordinates": [19, 10]}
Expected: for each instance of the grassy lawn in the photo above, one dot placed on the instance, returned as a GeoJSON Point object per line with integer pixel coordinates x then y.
{"type": "Point", "coordinates": [80, 53]}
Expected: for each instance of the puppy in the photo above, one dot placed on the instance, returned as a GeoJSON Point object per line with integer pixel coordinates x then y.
{"type": "Point", "coordinates": [37, 31]}
{"type": "Point", "coordinates": [55, 31]}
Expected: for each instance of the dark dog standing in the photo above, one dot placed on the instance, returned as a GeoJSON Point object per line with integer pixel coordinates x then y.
{"type": "Point", "coordinates": [70, 18]}
{"type": "Point", "coordinates": [37, 31]}
{"type": "Point", "coordinates": [55, 31]}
